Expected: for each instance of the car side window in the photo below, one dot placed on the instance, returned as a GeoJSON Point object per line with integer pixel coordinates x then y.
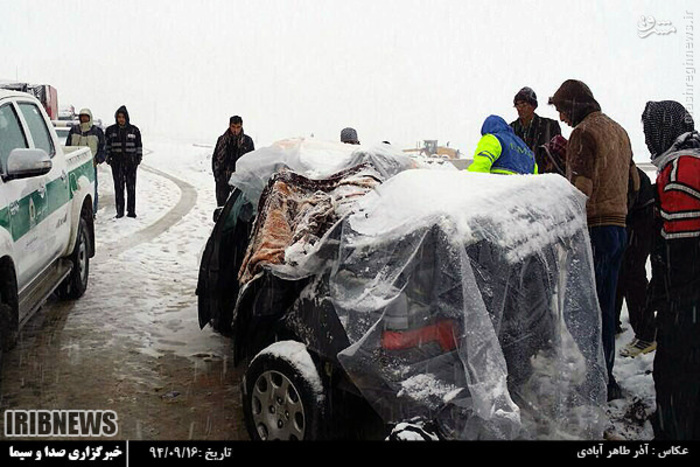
{"type": "Point", "coordinates": [37, 128]}
{"type": "Point", "coordinates": [11, 134]}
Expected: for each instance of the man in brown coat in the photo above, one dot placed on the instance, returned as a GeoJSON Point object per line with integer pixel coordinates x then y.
{"type": "Point", "coordinates": [599, 163]}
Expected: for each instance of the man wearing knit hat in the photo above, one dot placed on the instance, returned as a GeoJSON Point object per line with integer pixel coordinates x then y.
{"type": "Point", "coordinates": [599, 163]}
{"type": "Point", "coordinates": [536, 131]}
{"type": "Point", "coordinates": [349, 136]}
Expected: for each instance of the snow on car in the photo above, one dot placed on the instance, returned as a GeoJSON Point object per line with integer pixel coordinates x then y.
{"type": "Point", "coordinates": [466, 301]}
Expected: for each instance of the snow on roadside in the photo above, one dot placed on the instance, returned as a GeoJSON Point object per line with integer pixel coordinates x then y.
{"type": "Point", "coordinates": [154, 197]}
{"type": "Point", "coordinates": [630, 415]}
{"type": "Point", "coordinates": [146, 294]}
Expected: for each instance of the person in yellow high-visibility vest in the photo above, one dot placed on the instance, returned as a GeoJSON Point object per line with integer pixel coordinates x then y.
{"type": "Point", "coordinates": [500, 151]}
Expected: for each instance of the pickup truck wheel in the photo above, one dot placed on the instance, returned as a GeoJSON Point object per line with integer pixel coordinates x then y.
{"type": "Point", "coordinates": [280, 402]}
{"type": "Point", "coordinates": [76, 283]}
{"type": "Point", "coordinates": [9, 329]}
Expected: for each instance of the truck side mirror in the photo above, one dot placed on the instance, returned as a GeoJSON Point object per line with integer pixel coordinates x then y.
{"type": "Point", "coordinates": [24, 163]}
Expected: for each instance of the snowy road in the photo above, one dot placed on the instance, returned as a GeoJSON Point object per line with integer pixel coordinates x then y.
{"type": "Point", "coordinates": [132, 343]}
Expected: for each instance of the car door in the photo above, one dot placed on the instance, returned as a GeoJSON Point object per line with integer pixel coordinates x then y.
{"type": "Point", "coordinates": [217, 287]}
{"type": "Point", "coordinates": [52, 219]}
{"type": "Point", "coordinates": [24, 198]}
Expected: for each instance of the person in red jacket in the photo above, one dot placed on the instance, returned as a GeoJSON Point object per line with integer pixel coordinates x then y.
{"type": "Point", "coordinates": [674, 144]}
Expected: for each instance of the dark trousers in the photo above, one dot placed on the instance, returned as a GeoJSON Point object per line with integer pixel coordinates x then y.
{"type": "Point", "coordinates": [223, 189]}
{"type": "Point", "coordinates": [632, 283]}
{"type": "Point", "coordinates": [124, 176]}
{"type": "Point", "coordinates": [608, 245]}
{"type": "Point", "coordinates": [94, 204]}
{"type": "Point", "coordinates": [677, 371]}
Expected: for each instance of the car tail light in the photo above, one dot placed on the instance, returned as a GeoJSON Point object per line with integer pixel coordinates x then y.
{"type": "Point", "coordinates": [442, 332]}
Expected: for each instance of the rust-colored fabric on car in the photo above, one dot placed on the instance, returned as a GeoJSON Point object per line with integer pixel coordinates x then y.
{"type": "Point", "coordinates": [298, 211]}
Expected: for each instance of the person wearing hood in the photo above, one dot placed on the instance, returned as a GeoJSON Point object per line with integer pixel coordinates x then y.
{"type": "Point", "coordinates": [500, 151]}
{"type": "Point", "coordinates": [87, 134]}
{"type": "Point", "coordinates": [536, 131]}
{"type": "Point", "coordinates": [124, 153]}
{"type": "Point", "coordinates": [674, 145]}
{"type": "Point", "coordinates": [599, 163]}
{"type": "Point", "coordinates": [229, 148]}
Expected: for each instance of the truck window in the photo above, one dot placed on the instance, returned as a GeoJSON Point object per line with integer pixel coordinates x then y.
{"type": "Point", "coordinates": [37, 128]}
{"type": "Point", "coordinates": [11, 134]}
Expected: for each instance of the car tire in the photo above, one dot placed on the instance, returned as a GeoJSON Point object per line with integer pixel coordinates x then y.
{"type": "Point", "coordinates": [280, 401]}
{"type": "Point", "coordinates": [75, 285]}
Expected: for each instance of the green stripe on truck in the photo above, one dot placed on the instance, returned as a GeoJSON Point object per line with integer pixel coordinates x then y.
{"type": "Point", "coordinates": [57, 197]}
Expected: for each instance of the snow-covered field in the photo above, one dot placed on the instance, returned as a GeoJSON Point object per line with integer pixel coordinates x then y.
{"type": "Point", "coordinates": [162, 248]}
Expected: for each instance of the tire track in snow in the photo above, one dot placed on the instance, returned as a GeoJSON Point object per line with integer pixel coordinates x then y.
{"type": "Point", "coordinates": [187, 201]}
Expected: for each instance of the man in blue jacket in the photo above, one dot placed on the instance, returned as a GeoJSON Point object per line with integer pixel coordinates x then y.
{"type": "Point", "coordinates": [500, 151]}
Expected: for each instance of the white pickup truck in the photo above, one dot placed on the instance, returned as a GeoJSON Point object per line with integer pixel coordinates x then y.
{"type": "Point", "coordinates": [46, 221]}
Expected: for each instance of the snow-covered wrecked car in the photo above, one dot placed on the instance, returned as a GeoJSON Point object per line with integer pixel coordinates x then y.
{"type": "Point", "coordinates": [466, 301]}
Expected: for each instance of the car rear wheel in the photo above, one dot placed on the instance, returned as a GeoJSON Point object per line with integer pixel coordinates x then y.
{"type": "Point", "coordinates": [8, 316]}
{"type": "Point", "coordinates": [76, 283]}
{"type": "Point", "coordinates": [283, 396]}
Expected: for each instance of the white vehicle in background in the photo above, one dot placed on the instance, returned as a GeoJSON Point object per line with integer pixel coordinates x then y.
{"type": "Point", "coordinates": [67, 113]}
{"type": "Point", "coordinates": [46, 227]}
{"type": "Point", "coordinates": [62, 128]}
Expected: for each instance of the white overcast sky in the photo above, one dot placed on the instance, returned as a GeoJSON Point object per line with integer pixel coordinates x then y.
{"type": "Point", "coordinates": [402, 70]}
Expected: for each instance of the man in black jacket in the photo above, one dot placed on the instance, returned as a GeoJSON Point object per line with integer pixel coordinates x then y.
{"type": "Point", "coordinates": [229, 148]}
{"type": "Point", "coordinates": [536, 131]}
{"type": "Point", "coordinates": [632, 282]}
{"type": "Point", "coordinates": [124, 152]}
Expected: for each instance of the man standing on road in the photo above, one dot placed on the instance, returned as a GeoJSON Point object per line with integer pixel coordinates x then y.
{"type": "Point", "coordinates": [124, 153]}
{"type": "Point", "coordinates": [599, 163]}
{"type": "Point", "coordinates": [674, 144]}
{"type": "Point", "coordinates": [92, 136]}
{"type": "Point", "coordinates": [536, 131]}
{"type": "Point", "coordinates": [633, 284]}
{"type": "Point", "coordinates": [229, 148]}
